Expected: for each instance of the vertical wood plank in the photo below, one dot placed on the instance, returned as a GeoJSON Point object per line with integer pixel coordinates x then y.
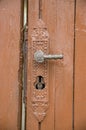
{"type": "Point", "coordinates": [80, 66]}
{"type": "Point", "coordinates": [64, 73]}
{"type": "Point", "coordinates": [33, 14]}
{"type": "Point", "coordinates": [49, 17]}
{"type": "Point", "coordinates": [59, 18]}
{"type": "Point", "coordinates": [10, 13]}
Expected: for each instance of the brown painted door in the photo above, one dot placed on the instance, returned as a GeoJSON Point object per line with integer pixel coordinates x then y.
{"type": "Point", "coordinates": [56, 89]}
{"type": "Point", "coordinates": [56, 65]}
{"type": "Point", "coordinates": [10, 89]}
{"type": "Point", "coordinates": [50, 83]}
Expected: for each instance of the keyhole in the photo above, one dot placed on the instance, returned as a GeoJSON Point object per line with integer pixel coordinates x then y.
{"type": "Point", "coordinates": [39, 84]}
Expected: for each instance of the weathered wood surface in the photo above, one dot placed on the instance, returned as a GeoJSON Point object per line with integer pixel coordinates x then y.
{"type": "Point", "coordinates": [33, 10]}
{"type": "Point", "coordinates": [80, 66]}
{"type": "Point", "coordinates": [60, 23]}
{"type": "Point", "coordinates": [59, 19]}
{"type": "Point", "coordinates": [10, 13]}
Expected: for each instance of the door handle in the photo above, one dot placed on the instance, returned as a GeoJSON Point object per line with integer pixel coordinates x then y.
{"type": "Point", "coordinates": [40, 57]}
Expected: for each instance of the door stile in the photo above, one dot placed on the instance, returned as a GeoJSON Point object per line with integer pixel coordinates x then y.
{"type": "Point", "coordinates": [33, 15]}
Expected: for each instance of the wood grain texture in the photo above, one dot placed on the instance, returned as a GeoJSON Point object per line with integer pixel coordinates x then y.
{"type": "Point", "coordinates": [60, 23]}
{"type": "Point", "coordinates": [80, 66]}
{"type": "Point", "coordinates": [33, 14]}
{"type": "Point", "coordinates": [9, 64]}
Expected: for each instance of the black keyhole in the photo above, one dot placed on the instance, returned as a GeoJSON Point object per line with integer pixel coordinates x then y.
{"type": "Point", "coordinates": [39, 84]}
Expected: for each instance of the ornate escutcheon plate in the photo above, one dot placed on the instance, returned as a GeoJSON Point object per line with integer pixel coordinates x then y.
{"type": "Point", "coordinates": [39, 97]}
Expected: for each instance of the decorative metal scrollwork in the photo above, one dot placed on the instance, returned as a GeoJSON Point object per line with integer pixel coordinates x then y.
{"type": "Point", "coordinates": [39, 97]}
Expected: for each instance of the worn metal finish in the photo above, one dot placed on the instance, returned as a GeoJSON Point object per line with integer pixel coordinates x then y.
{"type": "Point", "coordinates": [39, 56]}
{"type": "Point", "coordinates": [10, 90]}
{"type": "Point", "coordinates": [39, 98]}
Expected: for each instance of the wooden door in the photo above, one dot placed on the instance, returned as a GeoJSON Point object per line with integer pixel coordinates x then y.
{"type": "Point", "coordinates": [10, 68]}
{"type": "Point", "coordinates": [55, 65]}
{"type": "Point", "coordinates": [50, 29]}
{"type": "Point", "coordinates": [65, 22]}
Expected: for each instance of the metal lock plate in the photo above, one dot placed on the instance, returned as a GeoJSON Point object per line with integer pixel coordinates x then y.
{"type": "Point", "coordinates": [39, 97]}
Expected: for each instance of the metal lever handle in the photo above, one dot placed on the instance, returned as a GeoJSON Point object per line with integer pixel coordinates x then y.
{"type": "Point", "coordinates": [39, 56]}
